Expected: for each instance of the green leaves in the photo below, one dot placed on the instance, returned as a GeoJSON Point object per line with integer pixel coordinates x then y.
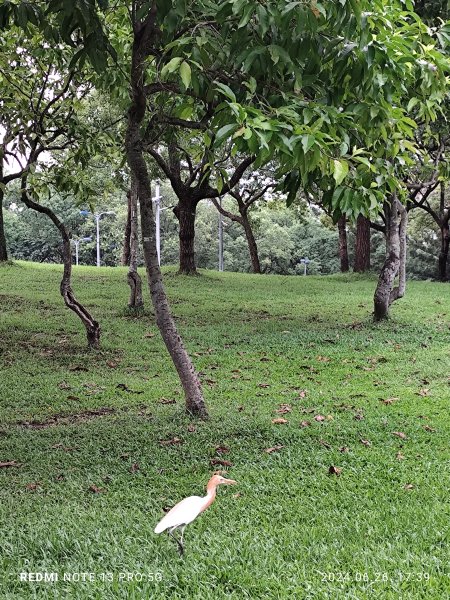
{"type": "Point", "coordinates": [171, 66]}
{"type": "Point", "coordinates": [340, 170]}
{"type": "Point", "coordinates": [185, 73]}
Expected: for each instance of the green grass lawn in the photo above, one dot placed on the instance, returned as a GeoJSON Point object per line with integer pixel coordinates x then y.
{"type": "Point", "coordinates": [290, 529]}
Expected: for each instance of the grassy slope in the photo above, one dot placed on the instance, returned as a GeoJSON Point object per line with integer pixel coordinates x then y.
{"type": "Point", "coordinates": [292, 521]}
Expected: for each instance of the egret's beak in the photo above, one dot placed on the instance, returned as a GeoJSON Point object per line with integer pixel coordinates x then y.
{"type": "Point", "coordinates": [229, 481]}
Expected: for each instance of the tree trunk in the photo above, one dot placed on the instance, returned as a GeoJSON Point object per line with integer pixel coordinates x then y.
{"type": "Point", "coordinates": [443, 254]}
{"type": "Point", "coordinates": [92, 327]}
{"type": "Point", "coordinates": [185, 213]}
{"type": "Point", "coordinates": [3, 250]}
{"type": "Point", "coordinates": [362, 245]}
{"type": "Point", "coordinates": [126, 240]}
{"type": "Point", "coordinates": [343, 246]}
{"type": "Point", "coordinates": [395, 262]}
{"type": "Point", "coordinates": [189, 379]}
{"type": "Point", "coordinates": [133, 277]}
{"type": "Point", "coordinates": [252, 247]}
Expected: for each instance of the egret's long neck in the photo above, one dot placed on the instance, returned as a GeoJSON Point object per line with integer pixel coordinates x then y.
{"type": "Point", "coordinates": [210, 495]}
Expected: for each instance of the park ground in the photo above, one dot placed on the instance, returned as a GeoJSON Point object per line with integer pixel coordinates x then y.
{"type": "Point", "coordinates": [346, 499]}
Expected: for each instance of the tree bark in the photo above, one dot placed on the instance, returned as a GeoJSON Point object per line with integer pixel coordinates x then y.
{"type": "Point", "coordinates": [362, 245]}
{"type": "Point", "coordinates": [133, 277]}
{"type": "Point", "coordinates": [126, 240]}
{"type": "Point", "coordinates": [443, 254]}
{"type": "Point", "coordinates": [252, 247]}
{"type": "Point", "coordinates": [144, 34]}
{"type": "Point", "coordinates": [91, 325]}
{"type": "Point", "coordinates": [343, 246]}
{"type": "Point", "coordinates": [395, 262]}
{"type": "Point", "coordinates": [444, 218]}
{"type": "Point", "coordinates": [3, 250]}
{"type": "Point", "coordinates": [185, 211]}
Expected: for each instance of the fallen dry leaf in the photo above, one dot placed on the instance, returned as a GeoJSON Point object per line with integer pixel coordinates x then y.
{"type": "Point", "coordinates": [409, 486]}
{"type": "Point", "coordinates": [399, 456]}
{"type": "Point", "coordinates": [171, 442]}
{"type": "Point", "coordinates": [305, 423]}
{"type": "Point", "coordinates": [365, 442]}
{"type": "Point", "coordinates": [284, 408]}
{"type": "Point", "coordinates": [424, 392]}
{"type": "Point", "coordinates": [400, 434]}
{"type": "Point", "coordinates": [222, 449]}
{"type": "Point", "coordinates": [191, 428]}
{"type": "Point", "coordinates": [64, 386]}
{"type": "Point", "coordinates": [263, 385]}
{"type": "Point", "coordinates": [334, 470]}
{"type": "Point", "coordinates": [220, 461]}
{"type": "Point", "coordinates": [274, 449]}
{"type": "Point", "coordinates": [302, 393]}
{"type": "Point", "coordinates": [31, 487]}
{"type": "Point", "coordinates": [388, 400]}
{"type": "Point", "coordinates": [319, 418]}
{"type": "Point", "coordinates": [167, 401]}
{"type": "Point", "coordinates": [264, 359]}
{"type": "Point", "coordinates": [428, 428]}
{"type": "Point", "coordinates": [95, 490]}
{"type": "Point", "coordinates": [149, 335]}
{"type": "Point", "coordinates": [238, 495]}
{"type": "Point", "coordinates": [358, 417]}
{"type": "Point", "coordinates": [134, 467]}
{"type": "Point", "coordinates": [344, 449]}
{"type": "Point", "coordinates": [112, 364]}
{"type": "Point", "coordinates": [323, 359]}
{"type": "Point", "coordinates": [279, 421]}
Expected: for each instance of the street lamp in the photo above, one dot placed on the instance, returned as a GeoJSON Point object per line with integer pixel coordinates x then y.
{"type": "Point", "coordinates": [77, 245]}
{"type": "Point", "coordinates": [157, 200]}
{"type": "Point", "coordinates": [305, 262]}
{"type": "Point", "coordinates": [97, 217]}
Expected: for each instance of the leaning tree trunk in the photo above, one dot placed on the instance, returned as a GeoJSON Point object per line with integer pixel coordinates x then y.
{"type": "Point", "coordinates": [185, 213]}
{"type": "Point", "coordinates": [3, 250]}
{"type": "Point", "coordinates": [362, 245]}
{"type": "Point", "coordinates": [252, 247]}
{"type": "Point", "coordinates": [126, 239]}
{"type": "Point", "coordinates": [189, 379]}
{"type": "Point", "coordinates": [133, 277]}
{"type": "Point", "coordinates": [443, 254]}
{"type": "Point", "coordinates": [343, 246]}
{"type": "Point", "coordinates": [395, 262]}
{"type": "Point", "coordinates": [91, 325]}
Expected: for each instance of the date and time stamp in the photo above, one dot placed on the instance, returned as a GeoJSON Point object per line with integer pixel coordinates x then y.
{"type": "Point", "coordinates": [330, 577]}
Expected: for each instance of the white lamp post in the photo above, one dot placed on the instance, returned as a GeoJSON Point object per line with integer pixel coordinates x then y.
{"type": "Point", "coordinates": [305, 262]}
{"type": "Point", "coordinates": [97, 217]}
{"type": "Point", "coordinates": [77, 245]}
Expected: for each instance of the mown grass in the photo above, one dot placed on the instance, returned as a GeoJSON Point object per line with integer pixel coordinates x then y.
{"type": "Point", "coordinates": [290, 529]}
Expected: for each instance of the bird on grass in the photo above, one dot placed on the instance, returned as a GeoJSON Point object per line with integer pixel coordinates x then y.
{"type": "Point", "coordinates": [188, 509]}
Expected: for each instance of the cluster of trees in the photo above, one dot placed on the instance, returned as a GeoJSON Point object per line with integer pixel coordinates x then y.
{"type": "Point", "coordinates": [282, 237]}
{"type": "Point", "coordinates": [340, 102]}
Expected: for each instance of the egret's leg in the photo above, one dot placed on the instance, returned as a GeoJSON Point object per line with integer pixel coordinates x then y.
{"type": "Point", "coordinates": [179, 544]}
{"type": "Point", "coordinates": [182, 533]}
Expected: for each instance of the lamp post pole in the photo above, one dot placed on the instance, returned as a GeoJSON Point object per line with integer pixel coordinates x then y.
{"type": "Point", "coordinates": [305, 262]}
{"type": "Point", "coordinates": [97, 217]}
{"type": "Point", "coordinates": [157, 201]}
